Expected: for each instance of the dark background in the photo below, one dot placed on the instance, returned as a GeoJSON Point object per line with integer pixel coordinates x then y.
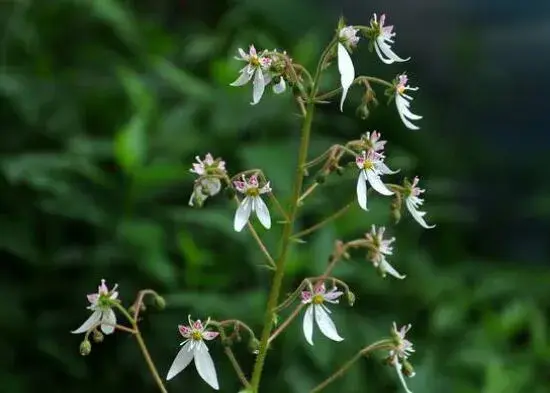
{"type": "Point", "coordinates": [92, 90]}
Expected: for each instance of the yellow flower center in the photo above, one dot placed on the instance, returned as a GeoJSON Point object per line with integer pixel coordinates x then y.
{"type": "Point", "coordinates": [196, 335]}
{"type": "Point", "coordinates": [368, 164]}
{"type": "Point", "coordinates": [401, 89]}
{"type": "Point", "coordinates": [253, 192]}
{"type": "Point", "coordinates": [255, 61]}
{"type": "Point", "coordinates": [317, 299]}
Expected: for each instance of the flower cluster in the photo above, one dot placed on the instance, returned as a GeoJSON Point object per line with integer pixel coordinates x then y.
{"type": "Point", "coordinates": [101, 305]}
{"type": "Point", "coordinates": [208, 183]}
{"type": "Point", "coordinates": [399, 354]}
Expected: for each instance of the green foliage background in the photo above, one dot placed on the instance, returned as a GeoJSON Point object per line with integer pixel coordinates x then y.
{"type": "Point", "coordinates": [104, 104]}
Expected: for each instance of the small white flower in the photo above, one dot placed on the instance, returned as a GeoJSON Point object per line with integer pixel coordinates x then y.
{"type": "Point", "coordinates": [195, 348]}
{"type": "Point", "coordinates": [347, 40]}
{"type": "Point", "coordinates": [383, 37]}
{"type": "Point", "coordinates": [413, 202]}
{"type": "Point", "coordinates": [319, 312]}
{"type": "Point", "coordinates": [257, 68]}
{"type": "Point", "coordinates": [207, 184]}
{"type": "Point", "coordinates": [378, 249]}
{"type": "Point", "coordinates": [101, 305]}
{"type": "Point", "coordinates": [371, 165]}
{"type": "Point", "coordinates": [399, 354]}
{"type": "Point", "coordinates": [252, 202]}
{"type": "Point", "coordinates": [371, 141]}
{"type": "Point", "coordinates": [402, 102]}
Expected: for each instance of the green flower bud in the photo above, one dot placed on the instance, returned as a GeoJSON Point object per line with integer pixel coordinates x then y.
{"type": "Point", "coordinates": [97, 336]}
{"type": "Point", "coordinates": [408, 369]}
{"type": "Point", "coordinates": [351, 298]}
{"type": "Point", "coordinates": [320, 178]}
{"type": "Point", "coordinates": [85, 347]}
{"type": "Point", "coordinates": [160, 303]}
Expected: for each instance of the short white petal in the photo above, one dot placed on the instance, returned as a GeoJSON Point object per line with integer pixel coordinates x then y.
{"type": "Point", "coordinates": [362, 190]}
{"type": "Point", "coordinates": [205, 365]}
{"type": "Point", "coordinates": [259, 86]}
{"type": "Point", "coordinates": [308, 324]}
{"type": "Point", "coordinates": [109, 318]}
{"type": "Point", "coordinates": [243, 79]}
{"type": "Point", "coordinates": [325, 324]}
{"type": "Point", "coordinates": [347, 72]}
{"type": "Point", "coordinates": [376, 183]}
{"type": "Point", "coordinates": [242, 214]}
{"type": "Point", "coordinates": [417, 215]}
{"type": "Point", "coordinates": [385, 265]}
{"type": "Point", "coordinates": [89, 323]}
{"type": "Point", "coordinates": [182, 360]}
{"type": "Point", "coordinates": [279, 87]}
{"type": "Point", "coordinates": [262, 212]}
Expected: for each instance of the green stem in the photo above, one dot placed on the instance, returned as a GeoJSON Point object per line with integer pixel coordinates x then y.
{"type": "Point", "coordinates": [325, 221]}
{"type": "Point", "coordinates": [359, 79]}
{"type": "Point", "coordinates": [341, 371]}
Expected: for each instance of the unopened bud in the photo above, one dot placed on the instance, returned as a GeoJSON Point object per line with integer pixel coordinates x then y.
{"type": "Point", "coordinates": [275, 319]}
{"type": "Point", "coordinates": [85, 347]}
{"type": "Point", "coordinates": [408, 369]}
{"type": "Point", "coordinates": [229, 192]}
{"type": "Point", "coordinates": [320, 178]}
{"type": "Point", "coordinates": [97, 336]}
{"type": "Point", "coordinates": [363, 111]}
{"type": "Point", "coordinates": [351, 298]}
{"type": "Point", "coordinates": [160, 303]}
{"type": "Point", "coordinates": [254, 345]}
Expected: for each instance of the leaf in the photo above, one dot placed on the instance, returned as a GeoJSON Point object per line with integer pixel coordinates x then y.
{"type": "Point", "coordinates": [131, 144]}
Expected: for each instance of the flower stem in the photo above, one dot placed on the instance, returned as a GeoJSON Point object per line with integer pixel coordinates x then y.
{"type": "Point", "coordinates": [285, 324]}
{"type": "Point", "coordinates": [233, 360]}
{"type": "Point", "coordinates": [325, 221]}
{"type": "Point", "coordinates": [345, 367]}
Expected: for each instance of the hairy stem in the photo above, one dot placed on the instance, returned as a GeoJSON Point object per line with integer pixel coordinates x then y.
{"type": "Point", "coordinates": [285, 324]}
{"type": "Point", "coordinates": [233, 360]}
{"type": "Point", "coordinates": [325, 221]}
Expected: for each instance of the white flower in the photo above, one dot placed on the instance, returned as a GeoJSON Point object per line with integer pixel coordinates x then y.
{"type": "Point", "coordinates": [347, 39]}
{"type": "Point", "coordinates": [257, 67]}
{"type": "Point", "coordinates": [402, 350]}
{"type": "Point", "coordinates": [207, 184]}
{"type": "Point", "coordinates": [378, 249]}
{"type": "Point", "coordinates": [279, 87]}
{"type": "Point", "coordinates": [319, 312]}
{"type": "Point", "coordinates": [101, 303]}
{"type": "Point", "coordinates": [195, 348]}
{"type": "Point", "coordinates": [371, 165]}
{"type": "Point", "coordinates": [383, 37]}
{"type": "Point", "coordinates": [402, 102]}
{"type": "Point", "coordinates": [252, 202]}
{"type": "Point", "coordinates": [413, 202]}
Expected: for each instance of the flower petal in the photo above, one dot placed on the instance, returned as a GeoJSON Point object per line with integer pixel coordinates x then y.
{"type": "Point", "coordinates": [325, 324]}
{"type": "Point", "coordinates": [280, 87]}
{"type": "Point", "coordinates": [390, 54]}
{"type": "Point", "coordinates": [401, 105]}
{"type": "Point", "coordinates": [362, 190]}
{"type": "Point", "coordinates": [242, 214]}
{"type": "Point", "coordinates": [182, 360]}
{"type": "Point", "coordinates": [347, 72]}
{"type": "Point", "coordinates": [376, 183]}
{"type": "Point", "coordinates": [89, 323]}
{"type": "Point", "coordinates": [307, 325]}
{"type": "Point", "coordinates": [243, 79]}
{"type": "Point", "coordinates": [258, 86]}
{"type": "Point", "coordinates": [380, 55]}
{"type": "Point", "coordinates": [108, 320]}
{"type": "Point", "coordinates": [386, 267]}
{"type": "Point", "coordinates": [417, 215]}
{"type": "Point", "coordinates": [398, 367]}
{"type": "Point", "coordinates": [205, 365]}
{"type": "Point", "coordinates": [262, 212]}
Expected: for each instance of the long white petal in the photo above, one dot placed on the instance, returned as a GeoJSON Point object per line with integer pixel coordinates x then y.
{"type": "Point", "coordinates": [205, 365]}
{"type": "Point", "coordinates": [89, 323]}
{"type": "Point", "coordinates": [258, 86]}
{"type": "Point", "coordinates": [376, 183]}
{"type": "Point", "coordinates": [417, 215]}
{"type": "Point", "coordinates": [385, 265]}
{"type": "Point", "coordinates": [401, 105]}
{"type": "Point", "coordinates": [262, 212]}
{"type": "Point", "coordinates": [242, 214]}
{"type": "Point", "coordinates": [243, 79]}
{"type": "Point", "coordinates": [390, 54]}
{"type": "Point", "coordinates": [307, 325]}
{"type": "Point", "coordinates": [380, 55]}
{"type": "Point", "coordinates": [109, 318]}
{"type": "Point", "coordinates": [384, 169]}
{"type": "Point", "coordinates": [182, 360]}
{"type": "Point", "coordinates": [347, 72]}
{"type": "Point", "coordinates": [325, 323]}
{"type": "Point", "coordinates": [398, 367]}
{"type": "Point", "coordinates": [362, 190]}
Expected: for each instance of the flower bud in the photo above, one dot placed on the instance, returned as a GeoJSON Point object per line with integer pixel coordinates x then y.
{"type": "Point", "coordinates": [160, 303]}
{"type": "Point", "coordinates": [254, 345]}
{"type": "Point", "coordinates": [320, 178]}
{"type": "Point", "coordinates": [408, 369]}
{"type": "Point", "coordinates": [363, 111]}
{"type": "Point", "coordinates": [97, 336]}
{"type": "Point", "coordinates": [85, 347]}
{"type": "Point", "coordinates": [351, 298]}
